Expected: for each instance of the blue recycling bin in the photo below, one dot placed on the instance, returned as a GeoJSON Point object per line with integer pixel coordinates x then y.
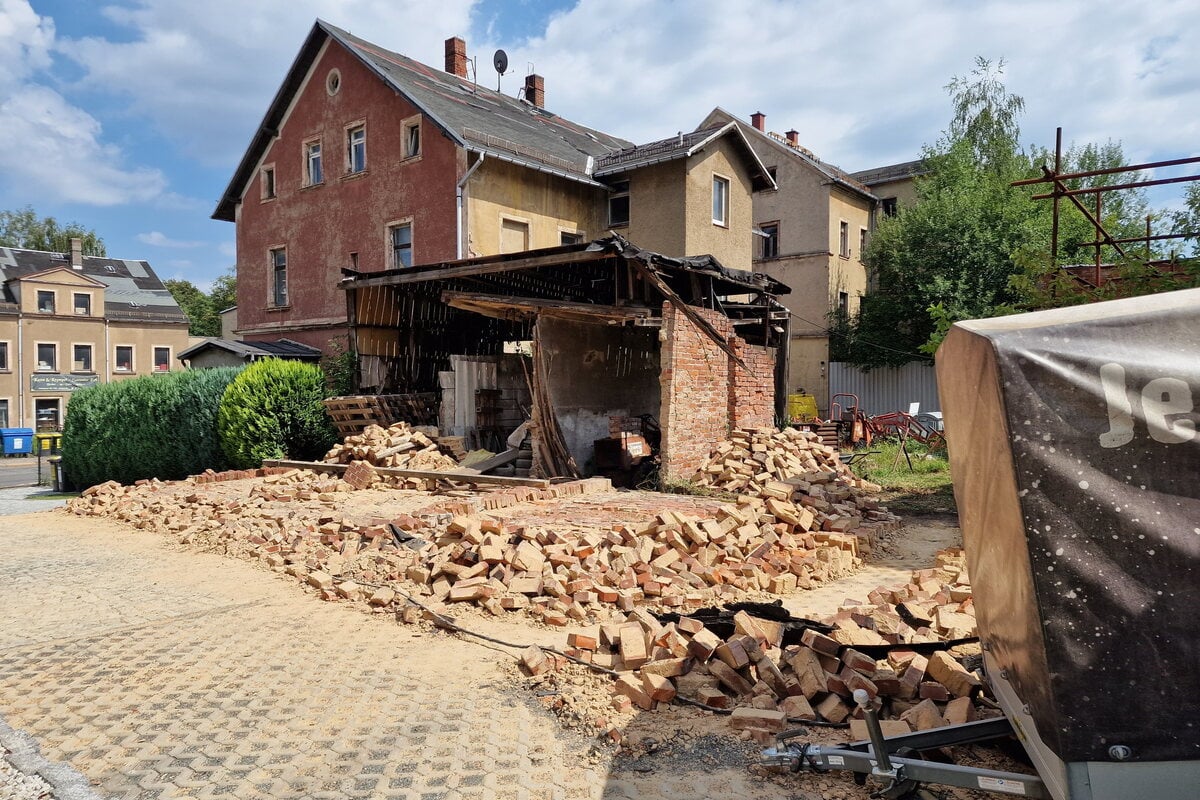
{"type": "Point", "coordinates": [17, 441]}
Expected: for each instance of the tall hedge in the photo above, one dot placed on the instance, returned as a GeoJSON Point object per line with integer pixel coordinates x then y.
{"type": "Point", "coordinates": [273, 409]}
{"type": "Point", "coordinates": [155, 426]}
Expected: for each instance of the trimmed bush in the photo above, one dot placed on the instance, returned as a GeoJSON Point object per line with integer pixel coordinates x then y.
{"type": "Point", "coordinates": [155, 426]}
{"type": "Point", "coordinates": [273, 410]}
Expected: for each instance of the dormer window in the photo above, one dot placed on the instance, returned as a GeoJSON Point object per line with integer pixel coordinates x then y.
{"type": "Point", "coordinates": [45, 302]}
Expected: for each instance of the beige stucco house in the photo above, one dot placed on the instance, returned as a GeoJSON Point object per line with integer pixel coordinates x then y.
{"type": "Point", "coordinates": [811, 230]}
{"type": "Point", "coordinates": [894, 184]}
{"type": "Point", "coordinates": [69, 321]}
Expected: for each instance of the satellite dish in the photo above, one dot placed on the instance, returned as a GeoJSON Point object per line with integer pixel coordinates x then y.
{"type": "Point", "coordinates": [500, 61]}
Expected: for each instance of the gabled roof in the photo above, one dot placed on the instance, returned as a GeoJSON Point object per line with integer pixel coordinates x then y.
{"type": "Point", "coordinates": [473, 116]}
{"type": "Point", "coordinates": [835, 174]}
{"type": "Point", "coordinates": [280, 348]}
{"type": "Point", "coordinates": [133, 291]}
{"type": "Point", "coordinates": [684, 145]}
{"type": "Point", "coordinates": [45, 274]}
{"type": "Point", "coordinates": [892, 172]}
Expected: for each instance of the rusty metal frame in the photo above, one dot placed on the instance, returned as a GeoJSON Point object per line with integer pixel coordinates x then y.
{"type": "Point", "coordinates": [1056, 178]}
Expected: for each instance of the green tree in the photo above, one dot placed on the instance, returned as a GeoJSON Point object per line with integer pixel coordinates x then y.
{"type": "Point", "coordinates": [948, 256]}
{"type": "Point", "coordinates": [23, 228]}
{"type": "Point", "coordinates": [973, 245]}
{"type": "Point", "coordinates": [202, 319]}
{"type": "Point", "coordinates": [224, 291]}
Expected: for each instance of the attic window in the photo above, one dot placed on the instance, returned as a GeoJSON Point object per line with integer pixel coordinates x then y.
{"type": "Point", "coordinates": [109, 268]}
{"type": "Point", "coordinates": [333, 82]}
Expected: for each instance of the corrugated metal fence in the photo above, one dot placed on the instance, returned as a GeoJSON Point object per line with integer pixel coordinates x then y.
{"type": "Point", "coordinates": [887, 388]}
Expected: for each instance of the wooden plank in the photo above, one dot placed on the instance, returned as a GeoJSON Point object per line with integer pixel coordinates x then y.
{"type": "Point", "coordinates": [456, 269]}
{"type": "Point", "coordinates": [426, 474]}
{"type": "Point", "coordinates": [498, 460]}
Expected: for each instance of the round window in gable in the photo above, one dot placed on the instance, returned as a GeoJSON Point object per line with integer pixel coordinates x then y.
{"type": "Point", "coordinates": [333, 82]}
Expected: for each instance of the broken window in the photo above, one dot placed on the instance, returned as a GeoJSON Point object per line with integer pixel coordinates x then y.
{"type": "Point", "coordinates": [770, 240]}
{"type": "Point", "coordinates": [618, 204]}
{"type": "Point", "coordinates": [412, 139]}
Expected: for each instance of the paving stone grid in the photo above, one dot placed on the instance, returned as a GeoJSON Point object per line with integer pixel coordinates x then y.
{"type": "Point", "coordinates": [165, 674]}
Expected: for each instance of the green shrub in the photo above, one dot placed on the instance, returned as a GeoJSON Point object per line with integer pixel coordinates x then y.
{"type": "Point", "coordinates": [273, 410]}
{"type": "Point", "coordinates": [155, 426]}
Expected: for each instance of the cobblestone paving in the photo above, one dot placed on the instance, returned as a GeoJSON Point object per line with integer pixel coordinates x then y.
{"type": "Point", "coordinates": [164, 674]}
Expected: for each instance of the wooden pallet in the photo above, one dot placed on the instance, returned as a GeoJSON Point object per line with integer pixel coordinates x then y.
{"type": "Point", "coordinates": [352, 414]}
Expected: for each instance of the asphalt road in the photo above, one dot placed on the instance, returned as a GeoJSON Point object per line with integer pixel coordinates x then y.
{"type": "Point", "coordinates": [22, 471]}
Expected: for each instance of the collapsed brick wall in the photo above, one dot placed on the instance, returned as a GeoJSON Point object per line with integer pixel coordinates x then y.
{"type": "Point", "coordinates": [705, 394]}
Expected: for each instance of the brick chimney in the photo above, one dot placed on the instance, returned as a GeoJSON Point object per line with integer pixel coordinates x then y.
{"type": "Point", "coordinates": [456, 57]}
{"type": "Point", "coordinates": [759, 121]}
{"type": "Point", "coordinates": [535, 90]}
{"type": "Point", "coordinates": [76, 253]}
{"type": "Point", "coordinates": [793, 137]}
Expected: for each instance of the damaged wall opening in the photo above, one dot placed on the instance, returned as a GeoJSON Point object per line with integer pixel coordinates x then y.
{"type": "Point", "coordinates": [584, 341]}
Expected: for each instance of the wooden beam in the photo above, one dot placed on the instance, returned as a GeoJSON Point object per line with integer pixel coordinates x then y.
{"type": "Point", "coordinates": [503, 305]}
{"type": "Point", "coordinates": [424, 474]}
{"type": "Point", "coordinates": [454, 269]}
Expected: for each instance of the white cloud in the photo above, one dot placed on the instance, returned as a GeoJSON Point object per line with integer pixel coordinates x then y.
{"type": "Point", "coordinates": [863, 84]}
{"type": "Point", "coordinates": [159, 239]}
{"type": "Point", "coordinates": [227, 249]}
{"type": "Point", "coordinates": [55, 150]}
{"type": "Point", "coordinates": [204, 73]}
{"type": "Point", "coordinates": [25, 41]}
{"type": "Point", "coordinates": [51, 150]}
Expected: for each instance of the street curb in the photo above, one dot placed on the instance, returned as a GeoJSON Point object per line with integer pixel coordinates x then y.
{"type": "Point", "coordinates": [26, 756]}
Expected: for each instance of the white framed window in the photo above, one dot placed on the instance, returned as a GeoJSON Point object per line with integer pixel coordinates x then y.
{"type": "Point", "coordinates": [81, 358]}
{"type": "Point", "coordinates": [45, 301]}
{"type": "Point", "coordinates": [267, 181]}
{"type": "Point", "coordinates": [844, 239]}
{"type": "Point", "coordinates": [314, 174]}
{"type": "Point", "coordinates": [412, 137]}
{"type": "Point", "coordinates": [4, 367]}
{"type": "Point", "coordinates": [123, 358]}
{"type": "Point", "coordinates": [356, 148]}
{"type": "Point", "coordinates": [618, 205]}
{"type": "Point", "coordinates": [400, 244]}
{"type": "Point", "coordinates": [47, 356]}
{"type": "Point", "coordinates": [47, 413]}
{"type": "Point", "coordinates": [279, 277]}
{"type": "Point", "coordinates": [514, 235]}
{"type": "Point", "coordinates": [720, 200]}
{"type": "Point", "coordinates": [162, 359]}
{"type": "Point", "coordinates": [82, 303]}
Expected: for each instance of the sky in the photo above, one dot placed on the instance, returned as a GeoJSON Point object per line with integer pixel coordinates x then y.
{"type": "Point", "coordinates": [129, 116]}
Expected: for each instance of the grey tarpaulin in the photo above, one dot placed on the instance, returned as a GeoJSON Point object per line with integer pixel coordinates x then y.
{"type": "Point", "coordinates": [1073, 439]}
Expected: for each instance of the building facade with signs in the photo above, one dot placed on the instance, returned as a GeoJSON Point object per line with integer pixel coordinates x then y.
{"type": "Point", "coordinates": [69, 321]}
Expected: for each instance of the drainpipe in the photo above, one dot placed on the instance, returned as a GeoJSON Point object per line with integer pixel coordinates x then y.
{"type": "Point", "coordinates": [20, 369]}
{"type": "Point", "coordinates": [459, 192]}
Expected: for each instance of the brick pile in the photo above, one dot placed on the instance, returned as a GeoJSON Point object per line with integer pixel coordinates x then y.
{"type": "Point", "coordinates": [765, 683]}
{"type": "Point", "coordinates": [751, 458]}
{"type": "Point", "coordinates": [560, 572]}
{"type": "Point", "coordinates": [399, 445]}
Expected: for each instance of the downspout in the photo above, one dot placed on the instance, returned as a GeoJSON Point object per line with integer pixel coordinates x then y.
{"type": "Point", "coordinates": [459, 191]}
{"type": "Point", "coordinates": [20, 369]}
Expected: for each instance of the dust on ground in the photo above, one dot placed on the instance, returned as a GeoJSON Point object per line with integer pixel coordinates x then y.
{"type": "Point", "coordinates": [672, 745]}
